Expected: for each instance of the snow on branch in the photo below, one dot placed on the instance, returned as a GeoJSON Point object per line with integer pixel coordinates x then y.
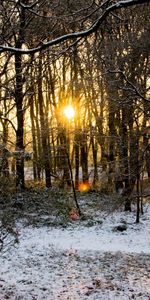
{"type": "Point", "coordinates": [75, 35]}
{"type": "Point", "coordinates": [27, 6]}
{"type": "Point", "coordinates": [134, 88]}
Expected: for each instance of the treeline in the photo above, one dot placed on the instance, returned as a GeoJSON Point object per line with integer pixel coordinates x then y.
{"type": "Point", "coordinates": [105, 77]}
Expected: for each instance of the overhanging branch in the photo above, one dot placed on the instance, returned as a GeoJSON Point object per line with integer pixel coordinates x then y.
{"type": "Point", "coordinates": [75, 35]}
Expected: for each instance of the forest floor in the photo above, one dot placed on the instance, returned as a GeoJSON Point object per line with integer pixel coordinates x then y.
{"type": "Point", "coordinates": [57, 258]}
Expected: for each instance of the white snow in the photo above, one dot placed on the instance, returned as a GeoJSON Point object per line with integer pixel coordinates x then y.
{"type": "Point", "coordinates": [80, 262]}
{"type": "Point", "coordinates": [97, 238]}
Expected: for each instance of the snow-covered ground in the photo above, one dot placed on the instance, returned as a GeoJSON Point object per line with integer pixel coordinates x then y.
{"type": "Point", "coordinates": [80, 262]}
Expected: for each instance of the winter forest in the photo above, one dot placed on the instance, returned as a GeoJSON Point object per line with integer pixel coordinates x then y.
{"type": "Point", "coordinates": [74, 149]}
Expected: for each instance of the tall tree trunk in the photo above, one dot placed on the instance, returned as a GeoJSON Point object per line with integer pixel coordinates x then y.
{"type": "Point", "coordinates": [124, 159]}
{"type": "Point", "coordinates": [94, 154]}
{"type": "Point", "coordinates": [35, 158]}
{"type": "Point", "coordinates": [146, 138]}
{"type": "Point", "coordinates": [4, 163]}
{"type": "Point", "coordinates": [112, 94]}
{"type": "Point", "coordinates": [75, 97]}
{"type": "Point", "coordinates": [20, 181]}
{"type": "Point", "coordinates": [38, 140]}
{"type": "Point", "coordinates": [77, 158]}
{"type": "Point", "coordinates": [84, 156]}
{"type": "Point", "coordinates": [64, 158]}
{"type": "Point", "coordinates": [44, 129]}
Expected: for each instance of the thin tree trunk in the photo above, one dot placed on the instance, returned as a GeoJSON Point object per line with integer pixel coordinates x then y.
{"type": "Point", "coordinates": [138, 191]}
{"type": "Point", "coordinates": [94, 153]}
{"type": "Point", "coordinates": [124, 159]}
{"type": "Point", "coordinates": [33, 140]}
{"type": "Point", "coordinates": [64, 157]}
{"type": "Point", "coordinates": [38, 138]}
{"type": "Point", "coordinates": [20, 181]}
{"type": "Point", "coordinates": [84, 157]}
{"type": "Point", "coordinates": [77, 158]}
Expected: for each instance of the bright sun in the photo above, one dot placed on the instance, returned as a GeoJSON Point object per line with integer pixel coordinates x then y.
{"type": "Point", "coordinates": [69, 112]}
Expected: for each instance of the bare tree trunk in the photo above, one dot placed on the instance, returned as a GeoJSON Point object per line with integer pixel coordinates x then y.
{"type": "Point", "coordinates": [75, 96]}
{"type": "Point", "coordinates": [124, 159]}
{"type": "Point", "coordinates": [111, 94]}
{"type": "Point", "coordinates": [73, 186]}
{"type": "Point", "coordinates": [20, 179]}
{"type": "Point", "coordinates": [39, 162]}
{"type": "Point", "coordinates": [35, 158]}
{"type": "Point", "coordinates": [138, 187]}
{"type": "Point", "coordinates": [20, 182]}
{"type": "Point", "coordinates": [64, 158]}
{"type": "Point", "coordinates": [94, 153]}
{"type": "Point", "coordinates": [44, 129]}
{"type": "Point", "coordinates": [146, 138]}
{"type": "Point", "coordinates": [77, 158]}
{"type": "Point", "coordinates": [84, 156]}
{"type": "Point", "coordinates": [4, 163]}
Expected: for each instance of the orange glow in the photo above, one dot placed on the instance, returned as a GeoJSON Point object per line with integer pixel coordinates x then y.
{"type": "Point", "coordinates": [84, 186]}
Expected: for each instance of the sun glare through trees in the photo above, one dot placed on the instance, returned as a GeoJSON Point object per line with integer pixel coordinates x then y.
{"type": "Point", "coordinates": [74, 92]}
{"type": "Point", "coordinates": [69, 112]}
{"type": "Point", "coordinates": [74, 149]}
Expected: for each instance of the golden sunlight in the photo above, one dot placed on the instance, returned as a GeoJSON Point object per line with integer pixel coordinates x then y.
{"type": "Point", "coordinates": [69, 112]}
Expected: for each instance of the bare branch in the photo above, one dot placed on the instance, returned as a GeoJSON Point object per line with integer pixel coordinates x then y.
{"type": "Point", "coordinates": [8, 120]}
{"type": "Point", "coordinates": [27, 6]}
{"type": "Point", "coordinates": [134, 88]}
{"type": "Point", "coordinates": [5, 65]}
{"type": "Point", "coordinates": [75, 35]}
